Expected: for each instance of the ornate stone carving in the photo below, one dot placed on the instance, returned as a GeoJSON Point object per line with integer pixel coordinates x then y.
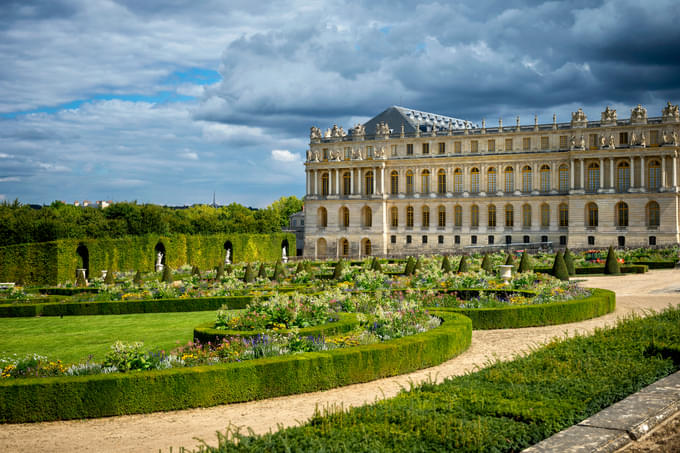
{"type": "Point", "coordinates": [336, 155]}
{"type": "Point", "coordinates": [582, 142]}
{"type": "Point", "coordinates": [603, 142]}
{"type": "Point", "coordinates": [671, 113]}
{"type": "Point", "coordinates": [359, 131]}
{"type": "Point", "coordinates": [638, 115]}
{"type": "Point", "coordinates": [315, 156]}
{"type": "Point", "coordinates": [418, 129]}
{"type": "Point", "coordinates": [402, 133]}
{"type": "Point", "coordinates": [450, 132]}
{"type": "Point", "coordinates": [612, 145]}
{"type": "Point", "coordinates": [483, 125]}
{"type": "Point", "coordinates": [315, 133]}
{"type": "Point", "coordinates": [664, 138]}
{"type": "Point", "coordinates": [380, 153]}
{"type": "Point", "coordinates": [517, 127]}
{"type": "Point", "coordinates": [535, 122]}
{"type": "Point", "coordinates": [608, 116]}
{"type": "Point", "coordinates": [356, 154]}
{"type": "Point", "coordinates": [579, 118]}
{"type": "Point", "coordinates": [382, 128]}
{"type": "Point", "coordinates": [643, 140]}
{"type": "Point", "coordinates": [675, 138]}
{"type": "Point", "coordinates": [554, 125]}
{"type": "Point", "coordinates": [572, 142]}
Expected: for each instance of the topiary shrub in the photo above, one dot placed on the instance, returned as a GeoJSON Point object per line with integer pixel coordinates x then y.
{"type": "Point", "coordinates": [337, 272]}
{"type": "Point", "coordinates": [249, 275]}
{"type": "Point", "coordinates": [309, 268]}
{"type": "Point", "coordinates": [137, 279]}
{"type": "Point", "coordinates": [375, 265]}
{"type": "Point", "coordinates": [559, 269]}
{"type": "Point", "coordinates": [487, 264]}
{"type": "Point", "coordinates": [228, 269]}
{"type": "Point", "coordinates": [418, 266]}
{"type": "Point", "coordinates": [510, 260]}
{"type": "Point", "coordinates": [525, 263]}
{"type": "Point", "coordinates": [300, 267]}
{"type": "Point", "coordinates": [569, 261]}
{"type": "Point", "coordinates": [611, 266]}
{"type": "Point", "coordinates": [109, 277]}
{"type": "Point", "coordinates": [167, 274]}
{"type": "Point", "coordinates": [195, 271]}
{"type": "Point", "coordinates": [220, 271]}
{"type": "Point", "coordinates": [279, 271]}
{"type": "Point", "coordinates": [446, 265]}
{"type": "Point", "coordinates": [262, 273]}
{"type": "Point", "coordinates": [464, 265]}
{"type": "Point", "coordinates": [410, 266]}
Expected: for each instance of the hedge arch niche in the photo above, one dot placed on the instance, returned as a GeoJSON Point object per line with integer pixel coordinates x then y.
{"type": "Point", "coordinates": [83, 260]}
{"type": "Point", "coordinates": [285, 250]}
{"type": "Point", "coordinates": [228, 252]}
{"type": "Point", "coordinates": [159, 257]}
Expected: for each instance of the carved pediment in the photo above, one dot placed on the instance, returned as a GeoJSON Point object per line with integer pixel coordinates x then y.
{"type": "Point", "coordinates": [579, 118]}
{"type": "Point", "coordinates": [638, 115]}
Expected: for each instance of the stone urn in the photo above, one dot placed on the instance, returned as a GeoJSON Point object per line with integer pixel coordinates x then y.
{"type": "Point", "coordinates": [505, 271]}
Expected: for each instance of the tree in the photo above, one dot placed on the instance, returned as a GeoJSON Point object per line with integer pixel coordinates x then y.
{"type": "Point", "coordinates": [559, 269]}
{"type": "Point", "coordinates": [569, 261]}
{"type": "Point", "coordinates": [510, 260]}
{"type": "Point", "coordinates": [410, 266]}
{"type": "Point", "coordinates": [279, 272]}
{"type": "Point", "coordinates": [283, 208]}
{"type": "Point", "coordinates": [611, 266]}
{"type": "Point", "coordinates": [525, 263]}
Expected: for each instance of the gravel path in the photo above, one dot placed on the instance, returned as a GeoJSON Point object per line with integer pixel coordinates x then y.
{"type": "Point", "coordinates": [160, 431]}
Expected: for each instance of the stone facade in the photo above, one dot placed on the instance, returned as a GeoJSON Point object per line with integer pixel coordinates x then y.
{"type": "Point", "coordinates": [435, 189]}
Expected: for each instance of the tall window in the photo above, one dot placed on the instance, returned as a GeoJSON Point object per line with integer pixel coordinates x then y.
{"type": "Point", "coordinates": [441, 181]}
{"type": "Point", "coordinates": [474, 216]}
{"type": "Point", "coordinates": [426, 148]}
{"type": "Point", "coordinates": [409, 149]}
{"type": "Point", "coordinates": [491, 144]}
{"type": "Point", "coordinates": [346, 183]}
{"type": "Point", "coordinates": [441, 217]}
{"type": "Point", "coordinates": [653, 218]}
{"type": "Point", "coordinates": [369, 152]}
{"type": "Point", "coordinates": [545, 142]}
{"type": "Point", "coordinates": [593, 177]}
{"type": "Point", "coordinates": [344, 247]}
{"type": "Point", "coordinates": [564, 178]}
{"type": "Point", "coordinates": [526, 143]}
{"type": "Point", "coordinates": [394, 217]}
{"type": "Point", "coordinates": [492, 216]}
{"type": "Point", "coordinates": [409, 182]}
{"type": "Point", "coordinates": [344, 215]}
{"type": "Point", "coordinates": [591, 215]}
{"type": "Point", "coordinates": [491, 180]}
{"type": "Point", "coordinates": [509, 179]}
{"type": "Point", "coordinates": [654, 175]}
{"type": "Point", "coordinates": [348, 153]}
{"type": "Point", "coordinates": [442, 147]}
{"type": "Point", "coordinates": [545, 215]}
{"type": "Point", "coordinates": [527, 176]}
{"type": "Point", "coordinates": [564, 215]}
{"type": "Point", "coordinates": [367, 247]}
{"type": "Point", "coordinates": [425, 181]}
{"type": "Point", "coordinates": [545, 178]}
{"type": "Point", "coordinates": [426, 217]}
{"type": "Point", "coordinates": [509, 216]}
{"type": "Point", "coordinates": [457, 180]}
{"type": "Point", "coordinates": [621, 214]}
{"type": "Point", "coordinates": [653, 138]}
{"type": "Point", "coordinates": [564, 142]}
{"type": "Point", "coordinates": [474, 180]}
{"type": "Point", "coordinates": [322, 218]}
{"type": "Point", "coordinates": [526, 216]}
{"type": "Point", "coordinates": [508, 144]}
{"type": "Point", "coordinates": [394, 183]}
{"type": "Point", "coordinates": [474, 146]}
{"type": "Point", "coordinates": [457, 147]}
{"type": "Point", "coordinates": [324, 184]}
{"type": "Point", "coordinates": [409, 216]}
{"type": "Point", "coordinates": [623, 176]}
{"type": "Point", "coordinates": [369, 182]}
{"type": "Point", "coordinates": [368, 217]}
{"type": "Point", "coordinates": [458, 216]}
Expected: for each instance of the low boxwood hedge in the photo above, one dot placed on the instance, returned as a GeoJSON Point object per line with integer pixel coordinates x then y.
{"type": "Point", "coordinates": [56, 291]}
{"type": "Point", "coordinates": [346, 322]}
{"type": "Point", "coordinates": [61, 398]}
{"type": "Point", "coordinates": [596, 270]}
{"type": "Point", "coordinates": [657, 264]}
{"type": "Point", "coordinates": [599, 303]}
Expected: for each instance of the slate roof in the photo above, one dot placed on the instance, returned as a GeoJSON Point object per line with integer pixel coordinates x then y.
{"type": "Point", "coordinates": [395, 116]}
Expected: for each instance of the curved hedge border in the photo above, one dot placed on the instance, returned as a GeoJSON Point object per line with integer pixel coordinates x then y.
{"type": "Point", "coordinates": [599, 303]}
{"type": "Point", "coordinates": [62, 398]}
{"type": "Point", "coordinates": [346, 322]}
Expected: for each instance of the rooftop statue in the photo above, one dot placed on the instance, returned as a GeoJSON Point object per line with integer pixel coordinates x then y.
{"type": "Point", "coordinates": [315, 133]}
{"type": "Point", "coordinates": [671, 113]}
{"type": "Point", "coordinates": [608, 116]}
{"type": "Point", "coordinates": [638, 114]}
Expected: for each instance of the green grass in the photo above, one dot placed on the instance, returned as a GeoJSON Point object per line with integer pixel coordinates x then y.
{"type": "Point", "coordinates": [73, 338]}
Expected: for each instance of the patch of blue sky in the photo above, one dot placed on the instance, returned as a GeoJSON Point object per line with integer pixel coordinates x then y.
{"type": "Point", "coordinates": [196, 76]}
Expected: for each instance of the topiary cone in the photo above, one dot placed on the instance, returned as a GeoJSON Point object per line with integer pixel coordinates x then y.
{"type": "Point", "coordinates": [611, 266]}
{"type": "Point", "coordinates": [410, 266]}
{"type": "Point", "coordinates": [375, 265]}
{"type": "Point", "coordinates": [249, 274]}
{"type": "Point", "coordinates": [337, 272]}
{"type": "Point", "coordinates": [195, 271]}
{"type": "Point", "coordinates": [487, 264]}
{"type": "Point", "coordinates": [300, 267]}
{"type": "Point", "coordinates": [446, 265]}
{"type": "Point", "coordinates": [167, 274]}
{"type": "Point", "coordinates": [464, 265]}
{"type": "Point", "coordinates": [525, 263]}
{"type": "Point", "coordinates": [279, 273]}
{"type": "Point", "coordinates": [220, 270]}
{"type": "Point", "coordinates": [109, 277]}
{"type": "Point", "coordinates": [262, 273]}
{"type": "Point", "coordinates": [569, 261]}
{"type": "Point", "coordinates": [559, 269]}
{"type": "Point", "coordinates": [137, 279]}
{"type": "Point", "coordinates": [510, 260]}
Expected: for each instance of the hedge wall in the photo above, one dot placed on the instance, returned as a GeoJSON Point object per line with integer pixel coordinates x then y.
{"type": "Point", "coordinates": [595, 270]}
{"type": "Point", "coordinates": [49, 263]}
{"type": "Point", "coordinates": [657, 264]}
{"type": "Point", "coordinates": [61, 398]}
{"type": "Point", "coordinates": [346, 322]}
{"type": "Point", "coordinates": [599, 303]}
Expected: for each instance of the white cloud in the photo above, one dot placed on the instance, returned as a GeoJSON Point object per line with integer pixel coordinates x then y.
{"type": "Point", "coordinates": [283, 155]}
{"type": "Point", "coordinates": [10, 179]}
{"type": "Point", "coordinates": [191, 155]}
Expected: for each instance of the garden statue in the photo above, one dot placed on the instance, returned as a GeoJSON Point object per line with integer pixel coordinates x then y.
{"type": "Point", "coordinates": [159, 261]}
{"type": "Point", "coordinates": [227, 258]}
{"type": "Point", "coordinates": [284, 257]}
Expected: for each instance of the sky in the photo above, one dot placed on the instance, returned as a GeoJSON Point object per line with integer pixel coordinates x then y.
{"type": "Point", "coordinates": [170, 101]}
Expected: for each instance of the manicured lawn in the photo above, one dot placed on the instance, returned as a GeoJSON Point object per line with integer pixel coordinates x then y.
{"type": "Point", "coordinates": [74, 338]}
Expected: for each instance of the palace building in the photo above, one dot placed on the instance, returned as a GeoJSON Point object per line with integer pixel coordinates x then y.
{"type": "Point", "coordinates": [411, 182]}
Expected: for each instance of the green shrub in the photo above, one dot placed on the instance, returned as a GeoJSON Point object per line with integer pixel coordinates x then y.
{"type": "Point", "coordinates": [279, 272]}
{"type": "Point", "coordinates": [109, 280]}
{"type": "Point", "coordinates": [410, 266]}
{"type": "Point", "coordinates": [611, 266]}
{"type": "Point", "coordinates": [337, 271]}
{"type": "Point", "coordinates": [446, 265]}
{"type": "Point", "coordinates": [375, 265]}
{"type": "Point", "coordinates": [525, 263]}
{"type": "Point", "coordinates": [219, 271]}
{"type": "Point", "coordinates": [300, 267]}
{"type": "Point", "coordinates": [262, 273]}
{"type": "Point", "coordinates": [418, 266]}
{"type": "Point", "coordinates": [228, 269]}
{"type": "Point", "coordinates": [249, 275]}
{"type": "Point", "coordinates": [569, 261]}
{"type": "Point", "coordinates": [510, 260]}
{"type": "Point", "coordinates": [559, 269]}
{"type": "Point", "coordinates": [137, 279]}
{"type": "Point", "coordinates": [167, 275]}
{"type": "Point", "coordinates": [487, 264]}
{"type": "Point", "coordinates": [195, 271]}
{"type": "Point", "coordinates": [464, 265]}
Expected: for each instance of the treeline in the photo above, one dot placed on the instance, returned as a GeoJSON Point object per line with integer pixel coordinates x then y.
{"type": "Point", "coordinates": [21, 224]}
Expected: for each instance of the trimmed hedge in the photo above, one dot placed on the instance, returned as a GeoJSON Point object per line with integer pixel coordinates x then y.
{"type": "Point", "coordinates": [599, 303]}
{"type": "Point", "coordinates": [346, 322]}
{"type": "Point", "coordinates": [62, 398]}
{"type": "Point", "coordinates": [67, 291]}
{"type": "Point", "coordinates": [655, 264]}
{"type": "Point", "coordinates": [596, 270]}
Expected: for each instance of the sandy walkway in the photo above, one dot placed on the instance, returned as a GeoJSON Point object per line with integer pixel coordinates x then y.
{"type": "Point", "coordinates": [153, 432]}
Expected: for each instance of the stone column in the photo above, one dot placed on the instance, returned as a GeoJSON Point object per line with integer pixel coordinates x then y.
{"type": "Point", "coordinates": [663, 172]}
{"type": "Point", "coordinates": [382, 180]}
{"type": "Point", "coordinates": [601, 173]}
{"type": "Point", "coordinates": [675, 172]}
{"type": "Point", "coordinates": [518, 177]}
{"type": "Point", "coordinates": [571, 175]}
{"type": "Point", "coordinates": [642, 173]}
{"type": "Point", "coordinates": [632, 173]}
{"type": "Point", "coordinates": [351, 181]}
{"type": "Point", "coordinates": [375, 180]}
{"type": "Point", "coordinates": [536, 184]}
{"type": "Point", "coordinates": [337, 181]}
{"type": "Point", "coordinates": [361, 181]}
{"type": "Point", "coordinates": [583, 173]}
{"type": "Point", "coordinates": [611, 174]}
{"type": "Point", "coordinates": [315, 175]}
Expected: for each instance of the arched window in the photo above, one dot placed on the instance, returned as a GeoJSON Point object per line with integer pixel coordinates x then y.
{"type": "Point", "coordinates": [394, 217]}
{"type": "Point", "coordinates": [425, 181]}
{"type": "Point", "coordinates": [344, 217]}
{"type": "Point", "coordinates": [474, 180]}
{"type": "Point", "coordinates": [409, 182]}
{"type": "Point", "coordinates": [367, 217]}
{"type": "Point", "coordinates": [426, 217]}
{"type": "Point", "coordinates": [344, 247]}
{"type": "Point", "coordinates": [509, 216]}
{"type": "Point", "coordinates": [458, 216]}
{"type": "Point", "coordinates": [545, 178]}
{"type": "Point", "coordinates": [654, 175]}
{"type": "Point", "coordinates": [324, 184]}
{"type": "Point", "coordinates": [526, 216]}
{"type": "Point", "coordinates": [367, 247]}
{"type": "Point", "coordinates": [564, 215]}
{"type": "Point", "coordinates": [474, 216]}
{"type": "Point", "coordinates": [622, 176]}
{"type": "Point", "coordinates": [492, 216]}
{"type": "Point", "coordinates": [509, 180]}
{"type": "Point", "coordinates": [491, 180]}
{"type": "Point", "coordinates": [409, 217]}
{"type": "Point", "coordinates": [458, 180]}
{"type": "Point", "coordinates": [545, 215]}
{"type": "Point", "coordinates": [593, 177]}
{"type": "Point", "coordinates": [591, 215]}
{"type": "Point", "coordinates": [346, 183]}
{"type": "Point", "coordinates": [621, 214]}
{"type": "Point", "coordinates": [653, 218]}
{"type": "Point", "coordinates": [394, 183]}
{"type": "Point", "coordinates": [441, 217]}
{"type": "Point", "coordinates": [564, 178]}
{"type": "Point", "coordinates": [369, 182]}
{"type": "Point", "coordinates": [527, 176]}
{"type": "Point", "coordinates": [321, 218]}
{"type": "Point", "coordinates": [441, 181]}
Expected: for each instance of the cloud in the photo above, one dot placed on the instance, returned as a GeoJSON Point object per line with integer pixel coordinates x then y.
{"type": "Point", "coordinates": [10, 179]}
{"type": "Point", "coordinates": [283, 155]}
{"type": "Point", "coordinates": [191, 155]}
